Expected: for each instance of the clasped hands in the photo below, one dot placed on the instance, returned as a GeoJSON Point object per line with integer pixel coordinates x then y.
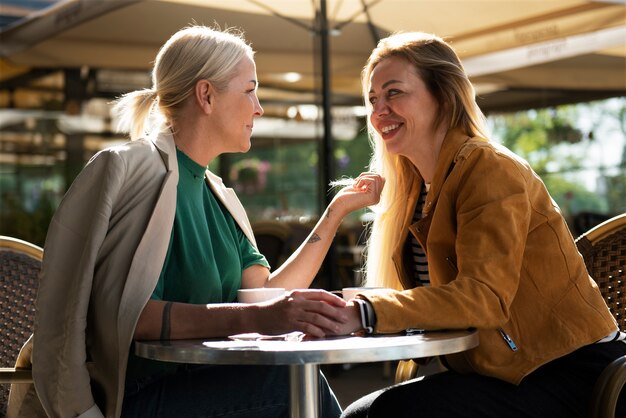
{"type": "Point", "coordinates": [315, 312]}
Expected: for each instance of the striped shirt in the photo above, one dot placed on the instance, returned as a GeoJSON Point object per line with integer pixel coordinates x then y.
{"type": "Point", "coordinates": [420, 273]}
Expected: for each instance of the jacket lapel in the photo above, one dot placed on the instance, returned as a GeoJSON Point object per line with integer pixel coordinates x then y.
{"type": "Point", "coordinates": [153, 245]}
{"type": "Point", "coordinates": [449, 149]}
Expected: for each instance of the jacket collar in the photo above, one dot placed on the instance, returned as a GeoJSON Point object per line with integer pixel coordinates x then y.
{"type": "Point", "coordinates": [164, 141]}
{"type": "Point", "coordinates": [453, 141]}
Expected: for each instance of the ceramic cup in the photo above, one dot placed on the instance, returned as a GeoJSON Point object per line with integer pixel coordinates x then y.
{"type": "Point", "coordinates": [350, 292]}
{"type": "Point", "coordinates": [260, 294]}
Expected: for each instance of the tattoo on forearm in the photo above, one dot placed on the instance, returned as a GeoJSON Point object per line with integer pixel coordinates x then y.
{"type": "Point", "coordinates": [314, 238]}
{"type": "Point", "coordinates": [165, 325]}
{"type": "Point", "coordinates": [328, 213]}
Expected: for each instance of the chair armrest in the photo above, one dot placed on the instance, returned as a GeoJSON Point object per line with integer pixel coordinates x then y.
{"type": "Point", "coordinates": [607, 389]}
{"type": "Point", "coordinates": [15, 375]}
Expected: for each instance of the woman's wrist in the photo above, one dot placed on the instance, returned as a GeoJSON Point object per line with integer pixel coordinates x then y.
{"type": "Point", "coordinates": [335, 212]}
{"type": "Point", "coordinates": [247, 318]}
{"type": "Point", "coordinates": [354, 318]}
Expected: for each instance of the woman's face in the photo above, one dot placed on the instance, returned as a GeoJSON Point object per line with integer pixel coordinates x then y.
{"type": "Point", "coordinates": [236, 107]}
{"type": "Point", "coordinates": [403, 110]}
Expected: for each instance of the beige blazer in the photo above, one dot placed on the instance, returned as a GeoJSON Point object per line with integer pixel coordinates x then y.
{"type": "Point", "coordinates": [103, 255]}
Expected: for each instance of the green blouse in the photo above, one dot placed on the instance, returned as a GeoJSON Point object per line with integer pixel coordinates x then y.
{"type": "Point", "coordinates": [206, 256]}
{"type": "Point", "coordinates": [207, 251]}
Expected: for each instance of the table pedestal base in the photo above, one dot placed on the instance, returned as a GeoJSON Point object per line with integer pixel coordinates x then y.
{"type": "Point", "coordinates": [304, 390]}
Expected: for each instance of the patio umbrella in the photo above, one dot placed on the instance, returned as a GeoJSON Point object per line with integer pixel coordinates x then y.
{"type": "Point", "coordinates": [125, 34]}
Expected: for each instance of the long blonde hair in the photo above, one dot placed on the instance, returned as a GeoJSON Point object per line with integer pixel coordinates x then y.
{"type": "Point", "coordinates": [441, 70]}
{"type": "Point", "coordinates": [191, 54]}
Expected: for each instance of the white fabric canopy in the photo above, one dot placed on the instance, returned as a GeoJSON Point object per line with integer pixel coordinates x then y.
{"type": "Point", "coordinates": [511, 48]}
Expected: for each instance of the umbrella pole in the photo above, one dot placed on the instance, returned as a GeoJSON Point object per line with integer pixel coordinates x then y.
{"type": "Point", "coordinates": [327, 160]}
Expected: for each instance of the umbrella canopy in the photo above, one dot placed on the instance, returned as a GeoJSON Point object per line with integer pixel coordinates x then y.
{"type": "Point", "coordinates": [519, 53]}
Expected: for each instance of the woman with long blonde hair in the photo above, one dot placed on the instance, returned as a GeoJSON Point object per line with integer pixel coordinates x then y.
{"type": "Point", "coordinates": [467, 236]}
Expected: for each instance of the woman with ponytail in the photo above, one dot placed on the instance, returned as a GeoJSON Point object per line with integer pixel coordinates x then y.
{"type": "Point", "coordinates": [149, 244]}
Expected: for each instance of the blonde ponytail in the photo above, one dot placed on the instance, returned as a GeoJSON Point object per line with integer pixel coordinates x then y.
{"type": "Point", "coordinates": [134, 111]}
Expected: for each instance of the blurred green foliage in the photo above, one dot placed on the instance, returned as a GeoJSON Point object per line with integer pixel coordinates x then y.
{"type": "Point", "coordinates": [561, 144]}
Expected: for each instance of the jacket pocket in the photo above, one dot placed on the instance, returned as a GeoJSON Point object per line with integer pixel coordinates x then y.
{"type": "Point", "coordinates": [507, 339]}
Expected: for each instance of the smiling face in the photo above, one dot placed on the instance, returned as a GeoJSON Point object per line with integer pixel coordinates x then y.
{"type": "Point", "coordinates": [236, 107]}
{"type": "Point", "coordinates": [403, 111]}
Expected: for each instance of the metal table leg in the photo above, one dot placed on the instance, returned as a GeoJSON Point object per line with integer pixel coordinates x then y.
{"type": "Point", "coordinates": [304, 390]}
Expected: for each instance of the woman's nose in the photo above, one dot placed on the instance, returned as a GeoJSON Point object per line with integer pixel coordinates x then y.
{"type": "Point", "coordinates": [380, 108]}
{"type": "Point", "coordinates": [258, 109]}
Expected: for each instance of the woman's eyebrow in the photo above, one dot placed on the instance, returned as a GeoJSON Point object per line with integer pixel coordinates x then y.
{"type": "Point", "coordinates": [386, 84]}
{"type": "Point", "coordinates": [391, 82]}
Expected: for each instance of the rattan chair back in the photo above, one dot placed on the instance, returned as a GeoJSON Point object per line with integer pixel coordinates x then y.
{"type": "Point", "coordinates": [20, 264]}
{"type": "Point", "coordinates": [604, 250]}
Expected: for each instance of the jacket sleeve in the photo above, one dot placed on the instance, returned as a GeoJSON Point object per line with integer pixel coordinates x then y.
{"type": "Point", "coordinates": [76, 232]}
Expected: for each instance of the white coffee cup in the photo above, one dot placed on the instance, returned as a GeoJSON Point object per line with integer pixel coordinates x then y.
{"type": "Point", "coordinates": [259, 294]}
{"type": "Point", "coordinates": [350, 292]}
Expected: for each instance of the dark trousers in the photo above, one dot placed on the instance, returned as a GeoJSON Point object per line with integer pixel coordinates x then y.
{"type": "Point", "coordinates": [219, 391]}
{"type": "Point", "coordinates": [559, 389]}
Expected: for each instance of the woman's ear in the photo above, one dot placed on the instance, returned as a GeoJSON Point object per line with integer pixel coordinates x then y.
{"type": "Point", "coordinates": [204, 95]}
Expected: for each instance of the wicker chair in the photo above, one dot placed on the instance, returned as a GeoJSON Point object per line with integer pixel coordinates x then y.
{"type": "Point", "coordinates": [604, 250]}
{"type": "Point", "coordinates": [20, 263]}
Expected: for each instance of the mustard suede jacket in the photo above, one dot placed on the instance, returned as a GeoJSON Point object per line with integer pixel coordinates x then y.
{"type": "Point", "coordinates": [103, 255]}
{"type": "Point", "coordinates": [500, 257]}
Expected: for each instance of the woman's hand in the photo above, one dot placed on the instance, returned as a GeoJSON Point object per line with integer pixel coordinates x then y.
{"type": "Point", "coordinates": [353, 322]}
{"type": "Point", "coordinates": [365, 191]}
{"type": "Point", "coordinates": [317, 313]}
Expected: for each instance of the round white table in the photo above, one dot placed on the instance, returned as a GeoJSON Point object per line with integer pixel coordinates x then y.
{"type": "Point", "coordinates": [304, 357]}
